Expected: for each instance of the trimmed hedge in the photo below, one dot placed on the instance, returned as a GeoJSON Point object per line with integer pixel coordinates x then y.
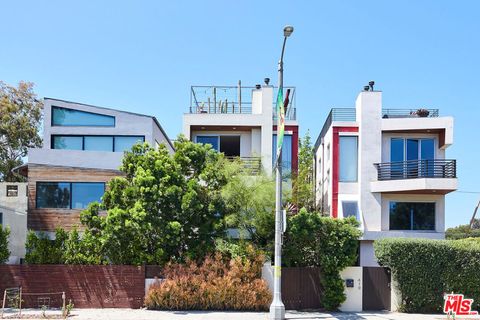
{"type": "Point", "coordinates": [426, 269]}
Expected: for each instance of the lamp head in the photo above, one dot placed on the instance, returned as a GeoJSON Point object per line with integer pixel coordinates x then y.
{"type": "Point", "coordinates": [287, 31]}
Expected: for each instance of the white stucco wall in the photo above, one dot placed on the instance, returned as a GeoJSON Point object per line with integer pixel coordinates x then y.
{"type": "Point", "coordinates": [354, 295]}
{"type": "Point", "coordinates": [14, 212]}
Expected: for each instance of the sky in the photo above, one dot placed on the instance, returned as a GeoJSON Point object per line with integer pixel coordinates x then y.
{"type": "Point", "coordinates": [143, 56]}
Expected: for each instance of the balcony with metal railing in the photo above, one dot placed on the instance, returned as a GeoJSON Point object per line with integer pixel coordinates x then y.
{"type": "Point", "coordinates": [251, 165]}
{"type": "Point", "coordinates": [434, 176]}
{"type": "Point", "coordinates": [233, 100]}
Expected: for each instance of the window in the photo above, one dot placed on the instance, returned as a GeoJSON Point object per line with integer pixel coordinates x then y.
{"type": "Point", "coordinates": [12, 191]}
{"type": "Point", "coordinates": [1, 218]}
{"type": "Point", "coordinates": [71, 117]}
{"type": "Point", "coordinates": [126, 143]}
{"type": "Point", "coordinates": [350, 209]}
{"type": "Point", "coordinates": [68, 195]}
{"type": "Point", "coordinates": [212, 140]}
{"type": "Point", "coordinates": [412, 216]}
{"type": "Point", "coordinates": [67, 142]}
{"type": "Point", "coordinates": [96, 143]}
{"type": "Point", "coordinates": [408, 155]}
{"type": "Point", "coordinates": [348, 155]}
{"type": "Point", "coordinates": [85, 193]}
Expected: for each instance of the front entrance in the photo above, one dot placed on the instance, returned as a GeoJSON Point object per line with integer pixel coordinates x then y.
{"type": "Point", "coordinates": [376, 288]}
{"type": "Point", "coordinates": [301, 288]}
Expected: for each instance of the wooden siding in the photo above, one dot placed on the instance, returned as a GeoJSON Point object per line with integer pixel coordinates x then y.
{"type": "Point", "coordinates": [49, 219]}
{"type": "Point", "coordinates": [87, 286]}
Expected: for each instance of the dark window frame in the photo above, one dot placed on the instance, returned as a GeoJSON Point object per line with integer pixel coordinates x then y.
{"type": "Point", "coordinates": [412, 217]}
{"type": "Point", "coordinates": [15, 187]}
{"type": "Point", "coordinates": [70, 193]}
{"type": "Point", "coordinates": [82, 125]}
{"type": "Point", "coordinates": [52, 139]}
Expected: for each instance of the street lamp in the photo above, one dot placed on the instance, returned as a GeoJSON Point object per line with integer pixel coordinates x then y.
{"type": "Point", "coordinates": [277, 308]}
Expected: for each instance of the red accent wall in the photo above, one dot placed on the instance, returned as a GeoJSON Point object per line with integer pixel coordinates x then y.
{"type": "Point", "coordinates": [336, 164]}
{"type": "Point", "coordinates": [294, 130]}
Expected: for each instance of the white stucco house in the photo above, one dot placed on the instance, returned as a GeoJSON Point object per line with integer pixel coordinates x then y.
{"type": "Point", "coordinates": [240, 122]}
{"type": "Point", "coordinates": [386, 167]}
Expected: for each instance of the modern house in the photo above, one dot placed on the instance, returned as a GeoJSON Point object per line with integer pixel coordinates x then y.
{"type": "Point", "coordinates": [83, 146]}
{"type": "Point", "coordinates": [241, 123]}
{"type": "Point", "coordinates": [386, 167]}
{"type": "Point", "coordinates": [13, 214]}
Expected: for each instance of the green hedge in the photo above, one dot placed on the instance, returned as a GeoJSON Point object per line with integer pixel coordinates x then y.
{"type": "Point", "coordinates": [426, 269]}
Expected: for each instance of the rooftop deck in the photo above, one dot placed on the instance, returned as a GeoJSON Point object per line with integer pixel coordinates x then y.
{"type": "Point", "coordinates": [232, 100]}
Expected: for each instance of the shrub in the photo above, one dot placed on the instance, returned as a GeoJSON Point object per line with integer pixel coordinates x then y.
{"type": "Point", "coordinates": [426, 269]}
{"type": "Point", "coordinates": [331, 244]}
{"type": "Point", "coordinates": [215, 284]}
{"type": "Point", "coordinates": [4, 252]}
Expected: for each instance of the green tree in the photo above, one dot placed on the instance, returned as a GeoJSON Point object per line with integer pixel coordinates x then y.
{"type": "Point", "coordinates": [464, 231]}
{"type": "Point", "coordinates": [41, 250]}
{"type": "Point", "coordinates": [4, 252]}
{"type": "Point", "coordinates": [303, 194]}
{"type": "Point", "coordinates": [20, 117]}
{"type": "Point", "coordinates": [331, 244]}
{"type": "Point", "coordinates": [166, 207]}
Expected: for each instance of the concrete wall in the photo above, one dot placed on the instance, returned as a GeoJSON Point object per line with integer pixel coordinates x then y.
{"type": "Point", "coordinates": [14, 212]}
{"type": "Point", "coordinates": [354, 295]}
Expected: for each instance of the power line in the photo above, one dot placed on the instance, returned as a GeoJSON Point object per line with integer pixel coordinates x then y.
{"type": "Point", "coordinates": [461, 191]}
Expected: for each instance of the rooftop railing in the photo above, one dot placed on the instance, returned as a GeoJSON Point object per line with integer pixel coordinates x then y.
{"type": "Point", "coordinates": [338, 114]}
{"type": "Point", "coordinates": [409, 113]}
{"type": "Point", "coordinates": [233, 100]}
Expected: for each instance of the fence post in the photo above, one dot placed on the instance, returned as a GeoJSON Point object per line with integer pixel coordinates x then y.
{"type": "Point", "coordinates": [20, 304]}
{"type": "Point", "coordinates": [3, 304]}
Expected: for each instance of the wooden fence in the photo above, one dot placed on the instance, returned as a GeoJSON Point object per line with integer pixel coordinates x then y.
{"type": "Point", "coordinates": [87, 286]}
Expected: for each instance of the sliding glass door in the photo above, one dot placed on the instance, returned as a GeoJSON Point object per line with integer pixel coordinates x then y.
{"type": "Point", "coordinates": [411, 158]}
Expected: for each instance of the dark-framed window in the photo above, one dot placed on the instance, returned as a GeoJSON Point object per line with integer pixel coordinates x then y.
{"type": "Point", "coordinates": [95, 143]}
{"type": "Point", "coordinates": [412, 215]}
{"type": "Point", "coordinates": [68, 195]}
{"type": "Point", "coordinates": [73, 118]}
{"type": "Point", "coordinates": [1, 219]}
{"type": "Point", "coordinates": [12, 191]}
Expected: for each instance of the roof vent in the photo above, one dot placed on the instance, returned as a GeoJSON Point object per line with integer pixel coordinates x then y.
{"type": "Point", "coordinates": [257, 86]}
{"type": "Point", "coordinates": [267, 81]}
{"type": "Point", "coordinates": [371, 84]}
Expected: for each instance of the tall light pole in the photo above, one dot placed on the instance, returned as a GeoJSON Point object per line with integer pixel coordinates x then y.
{"type": "Point", "coordinates": [277, 308]}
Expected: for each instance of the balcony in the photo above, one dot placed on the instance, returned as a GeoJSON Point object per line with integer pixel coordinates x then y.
{"type": "Point", "coordinates": [252, 165]}
{"type": "Point", "coordinates": [437, 176]}
{"type": "Point", "coordinates": [232, 100]}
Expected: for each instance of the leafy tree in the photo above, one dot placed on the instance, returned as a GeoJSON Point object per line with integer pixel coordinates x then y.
{"type": "Point", "coordinates": [20, 117]}
{"type": "Point", "coordinates": [41, 250]}
{"type": "Point", "coordinates": [303, 195]}
{"type": "Point", "coordinates": [4, 252]}
{"type": "Point", "coordinates": [166, 207]}
{"type": "Point", "coordinates": [464, 231]}
{"type": "Point", "coordinates": [331, 244]}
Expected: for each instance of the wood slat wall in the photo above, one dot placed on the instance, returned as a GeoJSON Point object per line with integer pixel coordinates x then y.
{"type": "Point", "coordinates": [49, 219]}
{"type": "Point", "coordinates": [87, 286]}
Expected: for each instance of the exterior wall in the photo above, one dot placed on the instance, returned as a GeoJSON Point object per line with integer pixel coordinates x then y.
{"type": "Point", "coordinates": [87, 286]}
{"type": "Point", "coordinates": [49, 219]}
{"type": "Point", "coordinates": [367, 254]}
{"type": "Point", "coordinates": [354, 295]}
{"type": "Point", "coordinates": [14, 212]}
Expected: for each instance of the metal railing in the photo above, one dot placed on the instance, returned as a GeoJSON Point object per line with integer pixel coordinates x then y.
{"type": "Point", "coordinates": [409, 113]}
{"type": "Point", "coordinates": [338, 114]}
{"type": "Point", "coordinates": [412, 169]}
{"type": "Point", "coordinates": [251, 165]}
{"type": "Point", "coordinates": [232, 100]}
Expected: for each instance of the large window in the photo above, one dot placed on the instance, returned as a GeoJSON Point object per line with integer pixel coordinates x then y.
{"type": "Point", "coordinates": [410, 157]}
{"type": "Point", "coordinates": [96, 143]}
{"type": "Point", "coordinates": [71, 117]}
{"type": "Point", "coordinates": [350, 209]}
{"type": "Point", "coordinates": [227, 144]}
{"type": "Point", "coordinates": [68, 195]}
{"type": "Point", "coordinates": [412, 215]}
{"type": "Point", "coordinates": [348, 155]}
{"type": "Point", "coordinates": [211, 140]}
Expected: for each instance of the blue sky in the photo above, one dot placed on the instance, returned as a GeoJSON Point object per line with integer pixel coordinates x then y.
{"type": "Point", "coordinates": [144, 55]}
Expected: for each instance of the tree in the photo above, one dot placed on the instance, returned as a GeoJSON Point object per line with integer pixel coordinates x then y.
{"type": "Point", "coordinates": [4, 252]}
{"type": "Point", "coordinates": [41, 250]}
{"type": "Point", "coordinates": [464, 231]}
{"type": "Point", "coordinates": [166, 207]}
{"type": "Point", "coordinates": [303, 195]}
{"type": "Point", "coordinates": [20, 117]}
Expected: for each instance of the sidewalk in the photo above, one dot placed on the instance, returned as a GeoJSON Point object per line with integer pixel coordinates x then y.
{"type": "Point", "coordinates": [142, 314]}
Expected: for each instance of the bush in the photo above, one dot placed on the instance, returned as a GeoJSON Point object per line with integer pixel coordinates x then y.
{"type": "Point", "coordinates": [426, 269]}
{"type": "Point", "coordinates": [215, 284]}
{"type": "Point", "coordinates": [331, 244]}
{"type": "Point", "coordinates": [4, 252]}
